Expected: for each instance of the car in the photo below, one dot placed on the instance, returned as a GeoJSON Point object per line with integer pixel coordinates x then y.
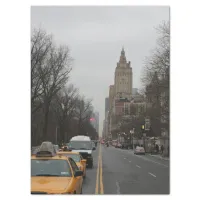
{"type": "Point", "coordinates": [118, 145]}
{"type": "Point", "coordinates": [81, 163]}
{"type": "Point", "coordinates": [54, 174]}
{"type": "Point", "coordinates": [83, 145]}
{"type": "Point", "coordinates": [139, 150]}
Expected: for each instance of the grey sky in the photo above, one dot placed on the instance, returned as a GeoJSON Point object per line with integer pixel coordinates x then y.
{"type": "Point", "coordinates": [95, 36]}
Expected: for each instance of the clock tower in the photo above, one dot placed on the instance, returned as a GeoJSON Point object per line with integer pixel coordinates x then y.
{"type": "Point", "coordinates": [123, 77]}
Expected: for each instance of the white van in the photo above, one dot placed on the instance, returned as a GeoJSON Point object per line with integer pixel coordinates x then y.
{"type": "Point", "coordinates": [83, 145]}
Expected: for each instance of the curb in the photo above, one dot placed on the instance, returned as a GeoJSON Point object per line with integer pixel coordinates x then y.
{"type": "Point", "coordinates": [159, 157]}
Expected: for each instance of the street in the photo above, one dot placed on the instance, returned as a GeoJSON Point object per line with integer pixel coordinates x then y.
{"type": "Point", "coordinates": [118, 171]}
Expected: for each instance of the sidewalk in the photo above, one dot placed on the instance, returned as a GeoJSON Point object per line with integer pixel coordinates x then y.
{"type": "Point", "coordinates": [159, 156]}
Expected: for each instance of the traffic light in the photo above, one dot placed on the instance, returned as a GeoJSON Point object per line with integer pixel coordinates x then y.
{"type": "Point", "coordinates": [142, 127]}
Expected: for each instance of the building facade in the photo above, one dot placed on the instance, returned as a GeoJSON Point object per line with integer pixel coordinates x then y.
{"type": "Point", "coordinates": [123, 77]}
{"type": "Point", "coordinates": [111, 96]}
{"type": "Point", "coordinates": [106, 105]}
{"type": "Point", "coordinates": [95, 121]}
{"type": "Point", "coordinates": [120, 93]}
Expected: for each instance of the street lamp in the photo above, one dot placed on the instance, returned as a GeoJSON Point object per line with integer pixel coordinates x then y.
{"type": "Point", "coordinates": [132, 133]}
{"type": "Point", "coordinates": [144, 136]}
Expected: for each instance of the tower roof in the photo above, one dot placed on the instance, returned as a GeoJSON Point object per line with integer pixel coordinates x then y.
{"type": "Point", "coordinates": [122, 51]}
{"type": "Point", "coordinates": [122, 57]}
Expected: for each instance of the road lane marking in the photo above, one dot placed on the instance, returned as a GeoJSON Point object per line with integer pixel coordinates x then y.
{"type": "Point", "coordinates": [118, 188]}
{"type": "Point", "coordinates": [138, 166]}
{"type": "Point", "coordinates": [151, 160]}
{"type": "Point", "coordinates": [152, 174]}
{"type": "Point", "coordinates": [101, 173]}
{"type": "Point", "coordinates": [97, 178]}
{"type": "Point", "coordinates": [144, 158]}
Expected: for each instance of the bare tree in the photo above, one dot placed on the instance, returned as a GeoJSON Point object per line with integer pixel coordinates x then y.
{"type": "Point", "coordinates": [53, 102]}
{"type": "Point", "coordinates": [159, 63]}
{"type": "Point", "coordinates": [83, 111]}
{"type": "Point", "coordinates": [59, 67]}
{"type": "Point", "coordinates": [41, 44]}
{"type": "Point", "coordinates": [50, 68]}
{"type": "Point", "coordinates": [64, 106]}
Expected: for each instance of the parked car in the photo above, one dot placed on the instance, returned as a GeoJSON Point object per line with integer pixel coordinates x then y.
{"type": "Point", "coordinates": [118, 145]}
{"type": "Point", "coordinates": [139, 151]}
{"type": "Point", "coordinates": [125, 146]}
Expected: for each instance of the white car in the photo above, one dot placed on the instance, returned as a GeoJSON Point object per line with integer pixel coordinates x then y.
{"type": "Point", "coordinates": [139, 150]}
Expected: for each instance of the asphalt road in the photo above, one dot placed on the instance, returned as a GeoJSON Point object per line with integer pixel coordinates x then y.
{"type": "Point", "coordinates": [118, 171]}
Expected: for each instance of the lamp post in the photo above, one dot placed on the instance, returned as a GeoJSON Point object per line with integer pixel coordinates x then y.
{"type": "Point", "coordinates": [132, 133]}
{"type": "Point", "coordinates": [144, 136]}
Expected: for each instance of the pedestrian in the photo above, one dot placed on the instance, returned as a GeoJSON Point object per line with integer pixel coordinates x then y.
{"type": "Point", "coordinates": [162, 149]}
{"type": "Point", "coordinates": [157, 148]}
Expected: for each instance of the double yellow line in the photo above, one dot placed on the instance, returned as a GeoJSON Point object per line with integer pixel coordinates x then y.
{"type": "Point", "coordinates": [99, 179]}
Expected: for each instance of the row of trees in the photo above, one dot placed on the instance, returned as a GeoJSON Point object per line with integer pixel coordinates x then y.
{"type": "Point", "coordinates": [156, 81]}
{"type": "Point", "coordinates": [58, 111]}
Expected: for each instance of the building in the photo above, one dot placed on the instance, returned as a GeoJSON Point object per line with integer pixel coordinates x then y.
{"type": "Point", "coordinates": [106, 106]}
{"type": "Point", "coordinates": [104, 129]}
{"type": "Point", "coordinates": [123, 77]}
{"type": "Point", "coordinates": [138, 109]}
{"type": "Point", "coordinates": [97, 121]}
{"type": "Point", "coordinates": [111, 96]}
{"type": "Point", "coordinates": [121, 106]}
{"type": "Point", "coordinates": [120, 93]}
{"type": "Point", "coordinates": [94, 120]}
{"type": "Point", "coordinates": [107, 124]}
{"type": "Point", "coordinates": [134, 91]}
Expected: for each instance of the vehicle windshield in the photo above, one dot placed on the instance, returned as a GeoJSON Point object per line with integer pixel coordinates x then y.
{"type": "Point", "coordinates": [50, 168]}
{"type": "Point", "coordinates": [80, 145]}
{"type": "Point", "coordinates": [56, 147]}
{"type": "Point", "coordinates": [75, 157]}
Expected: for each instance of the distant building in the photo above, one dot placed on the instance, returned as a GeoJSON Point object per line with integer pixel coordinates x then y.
{"type": "Point", "coordinates": [106, 105]}
{"type": "Point", "coordinates": [95, 121]}
{"type": "Point", "coordinates": [111, 96]}
{"type": "Point", "coordinates": [134, 91]}
{"type": "Point", "coordinates": [123, 77]}
{"type": "Point", "coordinates": [121, 106]}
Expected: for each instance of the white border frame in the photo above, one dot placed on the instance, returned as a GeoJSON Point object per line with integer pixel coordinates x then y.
{"type": "Point", "coordinates": [15, 97]}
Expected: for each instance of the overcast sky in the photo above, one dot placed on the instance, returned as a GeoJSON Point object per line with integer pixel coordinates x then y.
{"type": "Point", "coordinates": [95, 36]}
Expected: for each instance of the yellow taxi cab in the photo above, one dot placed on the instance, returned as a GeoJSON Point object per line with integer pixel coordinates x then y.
{"type": "Point", "coordinates": [54, 174]}
{"type": "Point", "coordinates": [81, 163]}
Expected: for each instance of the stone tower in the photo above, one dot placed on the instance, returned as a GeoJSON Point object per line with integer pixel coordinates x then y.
{"type": "Point", "coordinates": [123, 77]}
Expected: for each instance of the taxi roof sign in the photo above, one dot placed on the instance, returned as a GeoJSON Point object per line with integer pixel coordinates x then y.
{"type": "Point", "coordinates": [46, 150]}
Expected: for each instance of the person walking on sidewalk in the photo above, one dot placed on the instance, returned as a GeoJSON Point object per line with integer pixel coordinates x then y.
{"type": "Point", "coordinates": [162, 149]}
{"type": "Point", "coordinates": [157, 148]}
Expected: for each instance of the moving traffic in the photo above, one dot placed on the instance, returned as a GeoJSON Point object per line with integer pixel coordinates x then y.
{"type": "Point", "coordinates": [114, 170]}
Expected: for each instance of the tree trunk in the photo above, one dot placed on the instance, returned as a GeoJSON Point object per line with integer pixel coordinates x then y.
{"type": "Point", "coordinates": [46, 117]}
